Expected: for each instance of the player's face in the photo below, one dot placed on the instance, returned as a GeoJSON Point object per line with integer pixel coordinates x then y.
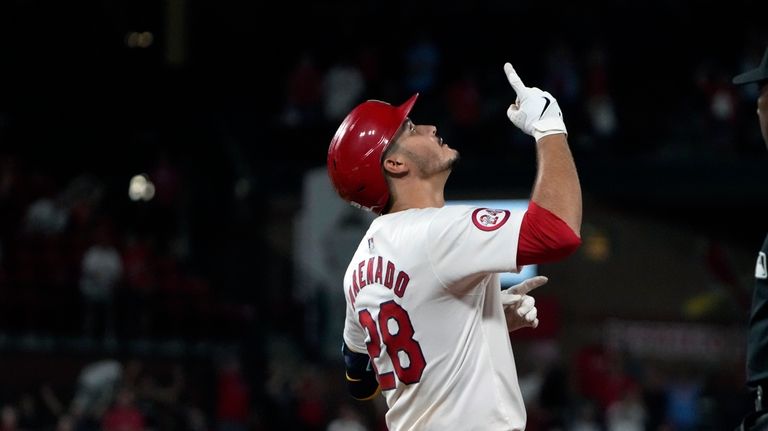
{"type": "Point", "coordinates": [762, 111]}
{"type": "Point", "coordinates": [428, 152]}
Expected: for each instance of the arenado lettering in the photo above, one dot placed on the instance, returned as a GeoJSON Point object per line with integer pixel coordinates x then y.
{"type": "Point", "coordinates": [377, 270]}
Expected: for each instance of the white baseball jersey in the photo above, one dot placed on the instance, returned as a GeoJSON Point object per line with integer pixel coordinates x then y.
{"type": "Point", "coordinates": [423, 300]}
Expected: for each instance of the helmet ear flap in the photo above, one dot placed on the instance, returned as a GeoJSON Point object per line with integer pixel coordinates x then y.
{"type": "Point", "coordinates": [355, 154]}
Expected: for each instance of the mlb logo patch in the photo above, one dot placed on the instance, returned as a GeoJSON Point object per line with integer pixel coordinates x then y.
{"type": "Point", "coordinates": [761, 271]}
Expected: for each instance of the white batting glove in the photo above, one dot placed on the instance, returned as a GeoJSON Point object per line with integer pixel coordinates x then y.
{"type": "Point", "coordinates": [535, 112]}
{"type": "Point", "coordinates": [519, 307]}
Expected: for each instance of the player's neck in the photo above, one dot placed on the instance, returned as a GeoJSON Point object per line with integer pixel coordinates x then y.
{"type": "Point", "coordinates": [418, 193]}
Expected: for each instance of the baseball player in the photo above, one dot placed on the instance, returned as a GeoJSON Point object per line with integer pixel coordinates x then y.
{"type": "Point", "coordinates": [757, 341]}
{"type": "Point", "coordinates": [427, 324]}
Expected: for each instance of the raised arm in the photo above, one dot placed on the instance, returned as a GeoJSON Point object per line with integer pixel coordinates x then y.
{"type": "Point", "coordinates": [557, 186]}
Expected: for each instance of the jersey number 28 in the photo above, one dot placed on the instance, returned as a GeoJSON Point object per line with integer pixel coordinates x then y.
{"type": "Point", "coordinates": [397, 336]}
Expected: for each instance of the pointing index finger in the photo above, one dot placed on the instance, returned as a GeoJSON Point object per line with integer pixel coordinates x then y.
{"type": "Point", "coordinates": [514, 79]}
{"type": "Point", "coordinates": [530, 284]}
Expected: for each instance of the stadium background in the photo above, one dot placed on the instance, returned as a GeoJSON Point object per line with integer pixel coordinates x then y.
{"type": "Point", "coordinates": [224, 316]}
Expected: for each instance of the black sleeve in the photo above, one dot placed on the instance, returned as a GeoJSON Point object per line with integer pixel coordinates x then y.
{"type": "Point", "coordinates": [757, 341]}
{"type": "Point", "coordinates": [361, 377]}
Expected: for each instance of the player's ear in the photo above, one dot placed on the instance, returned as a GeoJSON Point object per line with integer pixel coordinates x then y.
{"type": "Point", "coordinates": [395, 164]}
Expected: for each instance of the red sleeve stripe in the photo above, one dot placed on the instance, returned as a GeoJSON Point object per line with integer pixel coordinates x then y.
{"type": "Point", "coordinates": [544, 237]}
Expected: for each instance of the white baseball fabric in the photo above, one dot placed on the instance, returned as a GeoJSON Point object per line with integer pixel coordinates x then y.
{"type": "Point", "coordinates": [425, 302]}
{"type": "Point", "coordinates": [535, 112]}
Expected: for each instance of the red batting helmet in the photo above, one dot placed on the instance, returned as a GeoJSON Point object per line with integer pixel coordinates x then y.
{"type": "Point", "coordinates": [354, 156]}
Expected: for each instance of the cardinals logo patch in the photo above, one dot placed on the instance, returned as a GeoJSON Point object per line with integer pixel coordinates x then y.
{"type": "Point", "coordinates": [489, 219]}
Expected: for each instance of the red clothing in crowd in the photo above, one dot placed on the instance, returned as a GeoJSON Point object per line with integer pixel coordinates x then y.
{"type": "Point", "coordinates": [123, 418]}
{"type": "Point", "coordinates": [234, 399]}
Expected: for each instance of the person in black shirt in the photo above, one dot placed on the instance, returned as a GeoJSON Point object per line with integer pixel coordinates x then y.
{"type": "Point", "coordinates": [757, 341]}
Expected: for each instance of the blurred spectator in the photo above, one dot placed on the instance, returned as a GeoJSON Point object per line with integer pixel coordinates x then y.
{"type": "Point", "coordinates": [138, 299]}
{"type": "Point", "coordinates": [166, 217]}
{"type": "Point", "coordinates": [65, 423]}
{"type": "Point", "coordinates": [167, 178]}
{"type": "Point", "coordinates": [722, 104]}
{"type": "Point", "coordinates": [543, 387]}
{"type": "Point", "coordinates": [9, 418]}
{"type": "Point", "coordinates": [369, 63]}
{"type": "Point", "coordinates": [138, 257]}
{"type": "Point", "coordinates": [585, 417]}
{"type": "Point", "coordinates": [312, 409]}
{"type": "Point", "coordinates": [233, 396]}
{"type": "Point", "coordinates": [343, 87]}
{"type": "Point", "coordinates": [195, 420]}
{"type": "Point", "coordinates": [599, 102]}
{"type": "Point", "coordinates": [83, 196]}
{"type": "Point", "coordinates": [160, 400]}
{"type": "Point", "coordinates": [683, 401]}
{"type": "Point", "coordinates": [171, 294]}
{"type": "Point", "coordinates": [347, 419]}
{"type": "Point", "coordinates": [283, 371]}
{"type": "Point", "coordinates": [464, 104]}
{"type": "Point", "coordinates": [94, 392]}
{"type": "Point", "coordinates": [601, 375]}
{"type": "Point", "coordinates": [51, 401]}
{"type": "Point", "coordinates": [303, 93]}
{"type": "Point", "coordinates": [555, 394]}
{"type": "Point", "coordinates": [561, 77]}
{"type": "Point", "coordinates": [532, 380]}
{"type": "Point", "coordinates": [422, 60]}
{"type": "Point", "coordinates": [602, 115]}
{"type": "Point", "coordinates": [123, 415]}
{"type": "Point", "coordinates": [655, 397]}
{"type": "Point", "coordinates": [31, 415]}
{"type": "Point", "coordinates": [165, 400]}
{"type": "Point", "coordinates": [46, 216]}
{"type": "Point", "coordinates": [101, 271]}
{"type": "Point", "coordinates": [628, 413]}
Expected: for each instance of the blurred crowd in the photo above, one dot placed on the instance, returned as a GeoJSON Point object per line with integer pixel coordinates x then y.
{"type": "Point", "coordinates": [598, 389]}
{"type": "Point", "coordinates": [72, 265]}
{"type": "Point", "coordinates": [692, 112]}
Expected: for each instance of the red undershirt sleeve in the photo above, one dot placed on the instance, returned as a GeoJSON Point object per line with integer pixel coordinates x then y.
{"type": "Point", "coordinates": [544, 237]}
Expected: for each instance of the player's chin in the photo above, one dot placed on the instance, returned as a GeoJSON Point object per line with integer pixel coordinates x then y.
{"type": "Point", "coordinates": [449, 163]}
{"type": "Point", "coordinates": [454, 160]}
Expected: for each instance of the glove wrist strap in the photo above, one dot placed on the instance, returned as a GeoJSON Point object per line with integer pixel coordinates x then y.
{"type": "Point", "coordinates": [548, 126]}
